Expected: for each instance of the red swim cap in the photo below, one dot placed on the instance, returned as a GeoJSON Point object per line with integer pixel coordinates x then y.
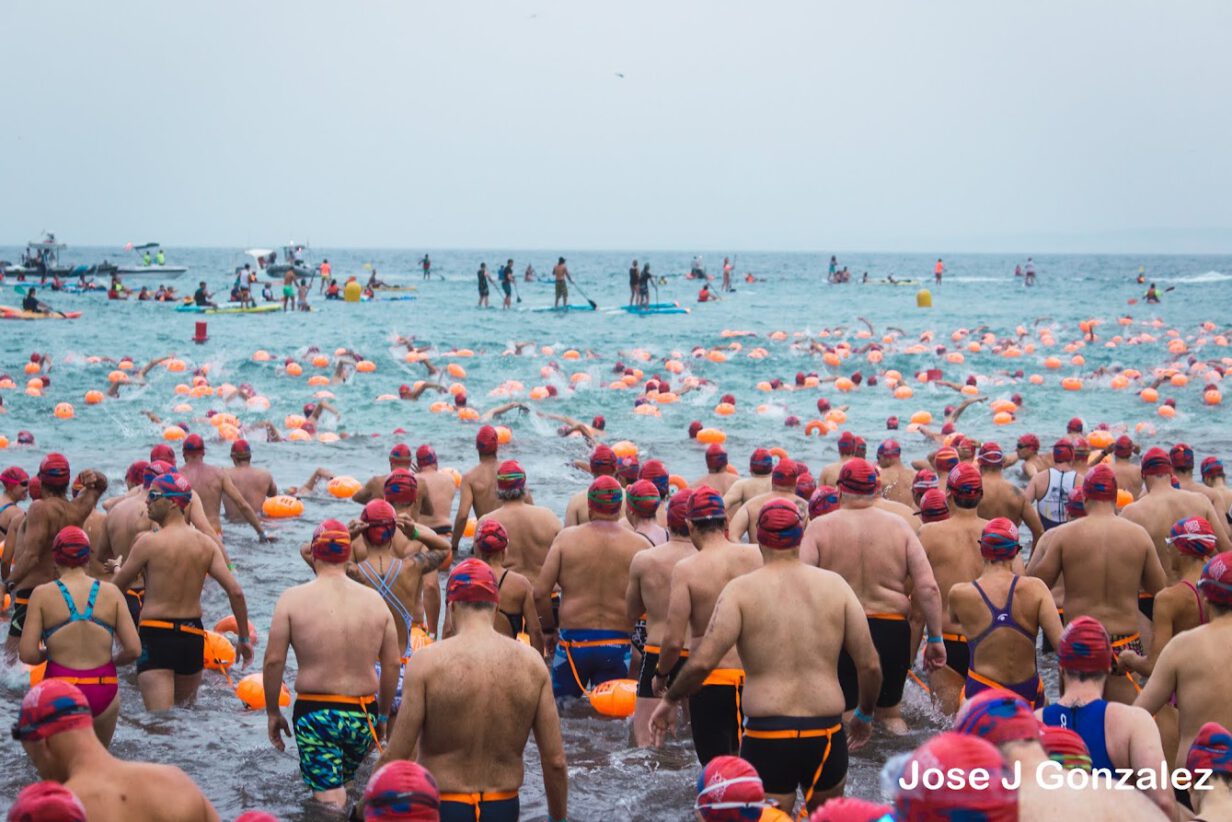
{"type": "Point", "coordinates": [933, 506]}
{"type": "Point", "coordinates": [850, 809]}
{"type": "Point", "coordinates": [1212, 467]}
{"type": "Point", "coordinates": [13, 476]}
{"type": "Point", "coordinates": [643, 498]}
{"type": "Point", "coordinates": [193, 444]}
{"type": "Point", "coordinates": [1211, 750]}
{"type": "Point", "coordinates": [1062, 451]}
{"type": "Point", "coordinates": [656, 472]}
{"type": "Point", "coordinates": [54, 471]}
{"type": "Point", "coordinates": [1066, 747]}
{"type": "Point", "coordinates": [36, 488]}
{"type": "Point", "coordinates": [71, 547]}
{"type": "Point", "coordinates": [472, 581]}
{"type": "Point", "coordinates": [1123, 447]}
{"type": "Point", "coordinates": [599, 423]}
{"type": "Point", "coordinates": [999, 716]}
{"type": "Point", "coordinates": [823, 501]}
{"type": "Point", "coordinates": [256, 816]}
{"type": "Point", "coordinates": [627, 468]}
{"type": "Point", "coordinates": [602, 461]}
{"type": "Point", "coordinates": [425, 455]}
{"type": "Point", "coordinates": [51, 707]}
{"type": "Point", "coordinates": [486, 441]}
{"type": "Point", "coordinates": [923, 480]}
{"type": "Point", "coordinates": [162, 453]}
{"type": "Point", "coordinates": [1076, 504]}
{"type": "Point", "coordinates": [678, 511]}
{"type": "Point", "coordinates": [991, 454]}
{"type": "Point", "coordinates": [47, 802]}
{"type": "Point", "coordinates": [490, 537]}
{"type": "Point", "coordinates": [846, 444]}
{"type": "Point", "coordinates": [945, 459]}
{"type": "Point", "coordinates": [1216, 581]}
{"type": "Point", "coordinates": [784, 474]}
{"type": "Point", "coordinates": [889, 448]}
{"type": "Point", "coordinates": [382, 519]}
{"type": "Point", "coordinates": [401, 487]}
{"type": "Point", "coordinates": [174, 487]}
{"type": "Point", "coordinates": [961, 755]}
{"type": "Point", "coordinates": [1156, 463]}
{"type": "Point", "coordinates": [706, 504]}
{"type": "Point", "coordinates": [716, 458]}
{"type": "Point", "coordinates": [1182, 457]}
{"type": "Point", "coordinates": [400, 454]}
{"type": "Point", "coordinates": [805, 485]}
{"type": "Point", "coordinates": [136, 473]}
{"type": "Point", "coordinates": [241, 449]}
{"type": "Point", "coordinates": [1100, 484]}
{"type": "Point", "coordinates": [1085, 647]}
{"type": "Point", "coordinates": [1074, 426]}
{"type": "Point", "coordinates": [604, 496]}
{"type": "Point", "coordinates": [331, 542]}
{"type": "Point", "coordinates": [729, 790]}
{"type": "Point", "coordinates": [858, 477]}
{"type": "Point", "coordinates": [402, 791]}
{"type": "Point", "coordinates": [779, 525]}
{"type": "Point", "coordinates": [965, 483]}
{"type": "Point", "coordinates": [510, 476]}
{"type": "Point", "coordinates": [761, 462]}
{"type": "Point", "coordinates": [1029, 441]}
{"type": "Point", "coordinates": [999, 540]}
{"type": "Point", "coordinates": [694, 427]}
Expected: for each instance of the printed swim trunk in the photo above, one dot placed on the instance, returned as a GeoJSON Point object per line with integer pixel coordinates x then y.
{"type": "Point", "coordinates": [333, 742]}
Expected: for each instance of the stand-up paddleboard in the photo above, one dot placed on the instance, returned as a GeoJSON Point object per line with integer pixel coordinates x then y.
{"type": "Point", "coordinates": [565, 308]}
{"type": "Point", "coordinates": [204, 309]}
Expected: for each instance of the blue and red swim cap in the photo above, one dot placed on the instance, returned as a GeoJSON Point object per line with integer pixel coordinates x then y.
{"type": "Point", "coordinates": [706, 504]}
{"type": "Point", "coordinates": [779, 525]}
{"type": "Point", "coordinates": [472, 581]}
{"type": "Point", "coordinates": [656, 472]}
{"type": "Point", "coordinates": [1211, 750]}
{"type": "Point", "coordinates": [933, 506]}
{"type": "Point", "coordinates": [824, 500]}
{"type": "Point", "coordinates": [1156, 463]}
{"type": "Point", "coordinates": [859, 477]}
{"type": "Point", "coordinates": [1085, 647]}
{"type": "Point", "coordinates": [678, 511]}
{"type": "Point", "coordinates": [1193, 536]}
{"type": "Point", "coordinates": [604, 496]}
{"type": "Point", "coordinates": [761, 462]}
{"type": "Point", "coordinates": [999, 540]}
{"type": "Point", "coordinates": [602, 461]}
{"type": "Point", "coordinates": [490, 537]}
{"type": "Point", "coordinates": [331, 542]}
{"type": "Point", "coordinates": [1100, 484]}
{"type": "Point", "coordinates": [1182, 457]}
{"type": "Point", "coordinates": [173, 487]}
{"type": "Point", "coordinates": [401, 487]}
{"type": "Point", "coordinates": [1216, 581]}
{"type": "Point", "coordinates": [643, 498]}
{"type": "Point", "coordinates": [71, 547]}
{"type": "Point", "coordinates": [784, 474]}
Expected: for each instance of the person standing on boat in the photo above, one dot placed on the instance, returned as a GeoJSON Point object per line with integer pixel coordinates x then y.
{"type": "Point", "coordinates": [160, 258]}
{"type": "Point", "coordinates": [145, 258]}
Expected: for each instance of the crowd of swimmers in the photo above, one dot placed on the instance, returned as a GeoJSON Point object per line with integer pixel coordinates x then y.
{"type": "Point", "coordinates": [783, 608]}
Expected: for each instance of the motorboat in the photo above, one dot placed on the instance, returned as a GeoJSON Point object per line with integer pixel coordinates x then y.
{"type": "Point", "coordinates": [293, 259]}
{"type": "Point", "coordinates": [151, 265]}
{"type": "Point", "coordinates": [42, 259]}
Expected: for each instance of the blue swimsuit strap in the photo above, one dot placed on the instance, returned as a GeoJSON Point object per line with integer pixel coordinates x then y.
{"type": "Point", "coordinates": [997, 613]}
{"type": "Point", "coordinates": [384, 587]}
{"type": "Point", "coordinates": [74, 615]}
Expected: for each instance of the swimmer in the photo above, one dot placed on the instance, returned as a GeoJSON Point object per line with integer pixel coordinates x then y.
{"type": "Point", "coordinates": [1212, 476]}
{"type": "Point", "coordinates": [729, 783]}
{"type": "Point", "coordinates": [590, 562]}
{"type": "Point", "coordinates": [761, 464]}
{"type": "Point", "coordinates": [1027, 451]}
{"type": "Point", "coordinates": [175, 560]}
{"type": "Point", "coordinates": [478, 488]}
{"type": "Point", "coordinates": [592, 433]}
{"type": "Point", "coordinates": [1001, 497]}
{"type": "Point", "coordinates": [1104, 560]}
{"type": "Point", "coordinates": [782, 486]}
{"type": "Point", "coordinates": [33, 564]}
{"type": "Point", "coordinates": [602, 463]}
{"type": "Point", "coordinates": [717, 476]}
{"type": "Point", "coordinates": [896, 478]}
{"type": "Point", "coordinates": [55, 728]}
{"type": "Point", "coordinates": [397, 555]}
{"type": "Point", "coordinates": [438, 487]}
{"type": "Point", "coordinates": [77, 638]}
{"type": "Point", "coordinates": [515, 612]}
{"type": "Point", "coordinates": [254, 484]}
{"type": "Point", "coordinates": [794, 734]}
{"type": "Point", "coordinates": [1003, 658]}
{"type": "Point", "coordinates": [846, 450]}
{"type": "Point", "coordinates": [453, 678]}
{"type": "Point", "coordinates": [642, 509]}
{"type": "Point", "coordinates": [1128, 473]}
{"type": "Point", "coordinates": [1048, 490]}
{"type": "Point", "coordinates": [1212, 750]}
{"type": "Point", "coordinates": [952, 546]}
{"type": "Point", "coordinates": [531, 529]}
{"type": "Point", "coordinates": [1192, 665]}
{"type": "Point", "coordinates": [1182, 457]}
{"type": "Point", "coordinates": [16, 488]}
{"type": "Point", "coordinates": [697, 580]}
{"type": "Point", "coordinates": [212, 483]}
{"type": "Point", "coordinates": [883, 556]}
{"type": "Point", "coordinates": [340, 633]}
{"type": "Point", "coordinates": [374, 488]}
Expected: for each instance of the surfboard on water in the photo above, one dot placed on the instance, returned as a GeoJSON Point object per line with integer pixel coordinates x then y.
{"type": "Point", "coordinates": [201, 309]}
{"type": "Point", "coordinates": [565, 308]}
{"type": "Point", "coordinates": [645, 312]}
{"type": "Point", "coordinates": [633, 309]}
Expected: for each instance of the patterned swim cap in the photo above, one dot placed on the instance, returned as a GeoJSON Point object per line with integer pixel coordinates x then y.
{"type": "Point", "coordinates": [14, 475]}
{"type": "Point", "coordinates": [1066, 747]}
{"type": "Point", "coordinates": [1085, 647]}
{"type": "Point", "coordinates": [1193, 536]}
{"type": "Point", "coordinates": [1216, 581]}
{"type": "Point", "coordinates": [240, 449]}
{"type": "Point", "coordinates": [1212, 467]}
{"type": "Point", "coordinates": [382, 521]}
{"type": "Point", "coordinates": [923, 480]}
{"type": "Point", "coordinates": [859, 477]}
{"type": "Point", "coordinates": [961, 754]}
{"type": "Point", "coordinates": [602, 461]}
{"type": "Point", "coordinates": [628, 468]}
{"type": "Point", "coordinates": [53, 706]}
{"type": "Point", "coordinates": [933, 506]}
{"type": "Point", "coordinates": [490, 537]}
{"type": "Point", "coordinates": [71, 547]}
{"type": "Point", "coordinates": [779, 525]}
{"type": "Point", "coordinates": [425, 455]}
{"type": "Point", "coordinates": [824, 500]}
{"type": "Point", "coordinates": [643, 498]}
{"type": "Point", "coordinates": [991, 454]}
{"type": "Point", "coordinates": [1100, 484]}
{"type": "Point", "coordinates": [401, 487]}
{"type": "Point", "coordinates": [1182, 457]}
{"type": "Point", "coordinates": [402, 791]}
{"type": "Point", "coordinates": [400, 454]}
{"type": "Point", "coordinates": [805, 486]}
{"type": "Point", "coordinates": [656, 472]}
{"type": "Point", "coordinates": [784, 474]}
{"type": "Point", "coordinates": [1123, 447]}
{"type": "Point", "coordinates": [54, 472]}
{"type": "Point", "coordinates": [716, 458]}
{"type": "Point", "coordinates": [999, 540]}
{"type": "Point", "coordinates": [331, 542]}
{"type": "Point", "coordinates": [1156, 463]}
{"type": "Point", "coordinates": [155, 469]}
{"type": "Point", "coordinates": [193, 444]}
{"type": "Point", "coordinates": [1062, 451]}
{"type": "Point", "coordinates": [604, 496]}
{"type": "Point", "coordinates": [510, 476]}
{"type": "Point", "coordinates": [163, 453]}
{"type": "Point", "coordinates": [761, 462]}
{"type": "Point", "coordinates": [486, 441]}
{"type": "Point", "coordinates": [889, 448]}
{"type": "Point", "coordinates": [472, 581]}
{"type": "Point", "coordinates": [1211, 750]}
{"type": "Point", "coordinates": [945, 459]}
{"type": "Point", "coordinates": [729, 790]}
{"type": "Point", "coordinates": [47, 802]}
{"type": "Point", "coordinates": [678, 511]}
{"type": "Point", "coordinates": [999, 716]}
{"type": "Point", "coordinates": [174, 487]}
{"type": "Point", "coordinates": [1075, 504]}
{"type": "Point", "coordinates": [1029, 441]}
{"type": "Point", "coordinates": [846, 444]}
{"type": "Point", "coordinates": [965, 483]}
{"type": "Point", "coordinates": [706, 504]}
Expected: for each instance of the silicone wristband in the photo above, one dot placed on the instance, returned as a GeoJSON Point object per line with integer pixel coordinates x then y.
{"type": "Point", "coordinates": [381, 718]}
{"type": "Point", "coordinates": [936, 640]}
{"type": "Point", "coordinates": [863, 717]}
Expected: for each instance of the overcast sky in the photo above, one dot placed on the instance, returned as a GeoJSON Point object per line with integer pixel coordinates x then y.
{"type": "Point", "coordinates": [782, 126]}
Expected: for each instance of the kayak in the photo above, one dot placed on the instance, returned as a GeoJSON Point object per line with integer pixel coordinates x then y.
{"type": "Point", "coordinates": [9, 313]}
{"type": "Point", "coordinates": [394, 289]}
{"type": "Point", "coordinates": [201, 309]}
{"type": "Point", "coordinates": [566, 308]}
{"type": "Point", "coordinates": [888, 282]}
{"type": "Point", "coordinates": [645, 312]}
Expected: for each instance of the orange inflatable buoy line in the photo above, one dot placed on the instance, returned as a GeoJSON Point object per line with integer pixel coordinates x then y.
{"type": "Point", "coordinates": [616, 697]}
{"type": "Point", "coordinates": [282, 507]}
{"type": "Point", "coordinates": [219, 653]}
{"type": "Point", "coordinates": [343, 487]}
{"type": "Point", "coordinates": [710, 436]}
{"type": "Point", "coordinates": [251, 691]}
{"type": "Point", "coordinates": [226, 625]}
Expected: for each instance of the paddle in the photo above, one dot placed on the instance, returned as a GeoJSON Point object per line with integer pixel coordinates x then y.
{"type": "Point", "coordinates": [51, 310]}
{"type": "Point", "coordinates": [593, 304]}
{"type": "Point", "coordinates": [514, 280]}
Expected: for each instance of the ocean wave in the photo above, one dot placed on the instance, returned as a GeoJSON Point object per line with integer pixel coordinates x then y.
{"type": "Point", "coordinates": [1207, 277]}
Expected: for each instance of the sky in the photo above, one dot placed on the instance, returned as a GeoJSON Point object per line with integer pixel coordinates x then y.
{"type": "Point", "coordinates": [540, 124]}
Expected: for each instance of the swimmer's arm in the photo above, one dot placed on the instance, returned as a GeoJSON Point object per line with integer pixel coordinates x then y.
{"type": "Point", "coordinates": [1153, 577]}
{"type": "Point", "coordinates": [1048, 568]}
{"type": "Point", "coordinates": [733, 499]}
{"type": "Point", "coordinates": [100, 554]}
{"type": "Point", "coordinates": [407, 729]}
{"type": "Point", "coordinates": [721, 634]}
{"type": "Point", "coordinates": [1146, 751]}
{"type": "Point", "coordinates": [271, 490]}
{"type": "Point", "coordinates": [548, 576]}
{"type": "Point", "coordinates": [958, 412]}
{"type": "Point", "coordinates": [739, 524]}
{"type": "Point", "coordinates": [152, 417]}
{"type": "Point", "coordinates": [465, 499]}
{"type": "Point", "coordinates": [1219, 526]}
{"type": "Point", "coordinates": [365, 494]}
{"type": "Point", "coordinates": [532, 626]}
{"type": "Point", "coordinates": [426, 507]}
{"type": "Point", "coordinates": [634, 606]}
{"type": "Point", "coordinates": [235, 594]}
{"type": "Point", "coordinates": [1049, 619]}
{"type": "Point", "coordinates": [502, 409]}
{"type": "Point", "coordinates": [1162, 624]}
{"type": "Point", "coordinates": [810, 551]}
{"type": "Point", "coordinates": [858, 643]}
{"type": "Point", "coordinates": [679, 607]}
{"type": "Point", "coordinates": [38, 533]}
{"type": "Point", "coordinates": [125, 632]}
{"type": "Point", "coordinates": [28, 649]}
{"type": "Point", "coordinates": [1162, 682]}
{"type": "Point", "coordinates": [925, 589]}
{"type": "Point", "coordinates": [391, 664]}
{"type": "Point", "coordinates": [551, 747]}
{"type": "Point", "coordinates": [275, 662]}
{"type": "Point", "coordinates": [232, 493]}
{"type": "Point", "coordinates": [145, 369]}
{"type": "Point", "coordinates": [127, 573]}
{"type": "Point", "coordinates": [1031, 519]}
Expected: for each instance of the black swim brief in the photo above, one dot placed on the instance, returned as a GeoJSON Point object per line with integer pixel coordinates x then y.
{"type": "Point", "coordinates": [135, 598]}
{"type": "Point", "coordinates": [171, 644]}
{"type": "Point", "coordinates": [957, 653]}
{"type": "Point", "coordinates": [892, 639]}
{"type": "Point", "coordinates": [715, 715]}
{"type": "Point", "coordinates": [650, 663]}
{"type": "Point", "coordinates": [795, 751]}
{"type": "Point", "coordinates": [21, 603]}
